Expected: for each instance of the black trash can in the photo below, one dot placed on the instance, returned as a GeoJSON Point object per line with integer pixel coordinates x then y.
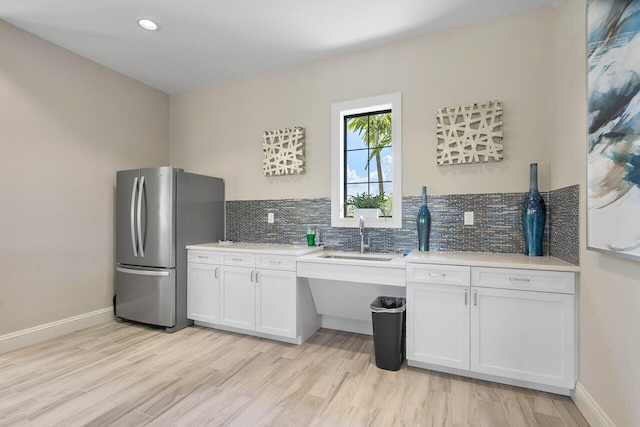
{"type": "Point", "coordinates": [388, 315]}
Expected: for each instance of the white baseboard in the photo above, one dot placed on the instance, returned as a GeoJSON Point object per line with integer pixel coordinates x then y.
{"type": "Point", "coordinates": [25, 337]}
{"type": "Point", "coordinates": [594, 414]}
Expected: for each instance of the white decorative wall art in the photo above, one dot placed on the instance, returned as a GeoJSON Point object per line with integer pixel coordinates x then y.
{"type": "Point", "coordinates": [469, 134]}
{"type": "Point", "coordinates": [283, 152]}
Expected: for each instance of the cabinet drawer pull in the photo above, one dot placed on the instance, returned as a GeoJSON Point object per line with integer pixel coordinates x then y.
{"type": "Point", "coordinates": [438, 274]}
{"type": "Point", "coordinates": [466, 297]}
{"type": "Point", "coordinates": [252, 273]}
{"type": "Point", "coordinates": [275, 262]}
{"type": "Point", "coordinates": [203, 256]}
{"type": "Point", "coordinates": [519, 279]}
{"type": "Point", "coordinates": [257, 275]}
{"type": "Point", "coordinates": [475, 297]}
{"type": "Point", "coordinates": [236, 259]}
{"type": "Point", "coordinates": [215, 273]}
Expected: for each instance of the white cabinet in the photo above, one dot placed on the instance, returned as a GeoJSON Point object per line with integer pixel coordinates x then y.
{"type": "Point", "coordinates": [276, 302]}
{"type": "Point", "coordinates": [237, 297]}
{"type": "Point", "coordinates": [259, 300]}
{"type": "Point", "coordinates": [524, 280]}
{"type": "Point", "coordinates": [511, 324]}
{"type": "Point", "coordinates": [523, 335]}
{"type": "Point", "coordinates": [253, 293]}
{"type": "Point", "coordinates": [442, 274]}
{"type": "Point", "coordinates": [203, 291]}
{"type": "Point", "coordinates": [438, 324]}
{"type": "Point", "coordinates": [203, 287]}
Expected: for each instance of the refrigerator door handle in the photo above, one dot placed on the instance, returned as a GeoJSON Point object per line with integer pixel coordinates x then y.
{"type": "Point", "coordinates": [140, 241]}
{"type": "Point", "coordinates": [142, 272]}
{"type": "Point", "coordinates": [133, 217]}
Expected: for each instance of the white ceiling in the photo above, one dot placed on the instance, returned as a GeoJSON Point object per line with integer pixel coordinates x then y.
{"type": "Point", "coordinates": [203, 42]}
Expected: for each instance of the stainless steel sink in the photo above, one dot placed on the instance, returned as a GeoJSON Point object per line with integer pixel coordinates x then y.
{"type": "Point", "coordinates": [345, 267]}
{"type": "Point", "coordinates": [358, 257]}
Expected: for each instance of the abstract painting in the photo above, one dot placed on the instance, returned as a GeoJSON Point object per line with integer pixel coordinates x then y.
{"type": "Point", "coordinates": [613, 164]}
{"type": "Point", "coordinates": [283, 151]}
{"type": "Point", "coordinates": [470, 134]}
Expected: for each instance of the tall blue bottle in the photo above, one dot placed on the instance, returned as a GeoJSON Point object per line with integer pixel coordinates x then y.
{"type": "Point", "coordinates": [423, 220]}
{"type": "Point", "coordinates": [534, 216]}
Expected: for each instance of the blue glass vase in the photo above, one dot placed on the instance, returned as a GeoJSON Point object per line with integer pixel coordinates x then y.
{"type": "Point", "coordinates": [423, 220]}
{"type": "Point", "coordinates": [534, 216]}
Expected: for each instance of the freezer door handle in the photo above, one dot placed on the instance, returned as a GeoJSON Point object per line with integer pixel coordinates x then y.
{"type": "Point", "coordinates": [140, 241]}
{"type": "Point", "coordinates": [133, 217]}
{"type": "Point", "coordinates": [142, 272]}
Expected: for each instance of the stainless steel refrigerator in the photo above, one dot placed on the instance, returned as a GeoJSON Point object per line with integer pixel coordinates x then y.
{"type": "Point", "coordinates": [159, 211]}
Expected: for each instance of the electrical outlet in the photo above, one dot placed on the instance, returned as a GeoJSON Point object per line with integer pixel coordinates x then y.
{"type": "Point", "coordinates": [270, 218]}
{"type": "Point", "coordinates": [468, 218]}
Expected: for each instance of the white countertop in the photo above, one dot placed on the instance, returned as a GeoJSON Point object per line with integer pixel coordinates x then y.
{"type": "Point", "coordinates": [475, 259]}
{"type": "Point", "coordinates": [263, 248]}
{"type": "Point", "coordinates": [488, 259]}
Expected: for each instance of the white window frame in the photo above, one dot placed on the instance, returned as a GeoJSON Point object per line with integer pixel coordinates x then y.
{"type": "Point", "coordinates": [339, 110]}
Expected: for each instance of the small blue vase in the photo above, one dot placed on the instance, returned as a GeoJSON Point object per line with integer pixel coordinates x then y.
{"type": "Point", "coordinates": [423, 220]}
{"type": "Point", "coordinates": [534, 216]}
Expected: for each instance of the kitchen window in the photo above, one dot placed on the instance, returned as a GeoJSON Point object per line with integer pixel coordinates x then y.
{"type": "Point", "coordinates": [366, 158]}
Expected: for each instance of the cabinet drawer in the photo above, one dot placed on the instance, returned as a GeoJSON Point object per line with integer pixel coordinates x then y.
{"type": "Point", "coordinates": [442, 274]}
{"type": "Point", "coordinates": [527, 280]}
{"type": "Point", "coordinates": [239, 258]}
{"type": "Point", "coordinates": [204, 257]}
{"type": "Point", "coordinates": [276, 262]}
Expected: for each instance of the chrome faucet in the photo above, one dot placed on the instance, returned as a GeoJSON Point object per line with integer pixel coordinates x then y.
{"type": "Point", "coordinates": [363, 247]}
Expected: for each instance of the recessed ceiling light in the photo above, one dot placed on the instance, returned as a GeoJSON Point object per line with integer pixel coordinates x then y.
{"type": "Point", "coordinates": [148, 24]}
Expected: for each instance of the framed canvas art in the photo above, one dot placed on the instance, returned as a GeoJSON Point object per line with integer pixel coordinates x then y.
{"type": "Point", "coordinates": [613, 163]}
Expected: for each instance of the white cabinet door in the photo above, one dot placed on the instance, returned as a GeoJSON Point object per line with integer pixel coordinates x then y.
{"type": "Point", "coordinates": [523, 335]}
{"type": "Point", "coordinates": [238, 297]}
{"type": "Point", "coordinates": [438, 324]}
{"type": "Point", "coordinates": [276, 302]}
{"type": "Point", "coordinates": [203, 292]}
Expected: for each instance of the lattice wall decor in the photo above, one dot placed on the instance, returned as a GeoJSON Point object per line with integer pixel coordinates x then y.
{"type": "Point", "coordinates": [283, 152]}
{"type": "Point", "coordinates": [470, 134]}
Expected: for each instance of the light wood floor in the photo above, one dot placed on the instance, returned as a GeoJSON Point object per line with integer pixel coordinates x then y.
{"type": "Point", "coordinates": [122, 374]}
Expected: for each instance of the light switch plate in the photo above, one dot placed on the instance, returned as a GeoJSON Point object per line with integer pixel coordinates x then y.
{"type": "Point", "coordinates": [270, 218]}
{"type": "Point", "coordinates": [468, 218]}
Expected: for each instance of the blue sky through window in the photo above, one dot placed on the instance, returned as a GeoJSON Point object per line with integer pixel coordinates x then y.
{"type": "Point", "coordinates": [357, 171]}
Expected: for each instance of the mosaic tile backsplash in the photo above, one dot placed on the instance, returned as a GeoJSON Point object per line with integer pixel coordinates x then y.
{"type": "Point", "coordinates": [564, 222]}
{"type": "Point", "coordinates": [497, 225]}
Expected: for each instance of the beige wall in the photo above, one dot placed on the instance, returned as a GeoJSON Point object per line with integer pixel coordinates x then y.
{"type": "Point", "coordinates": [609, 300]}
{"type": "Point", "coordinates": [218, 130]}
{"type": "Point", "coordinates": [66, 126]}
